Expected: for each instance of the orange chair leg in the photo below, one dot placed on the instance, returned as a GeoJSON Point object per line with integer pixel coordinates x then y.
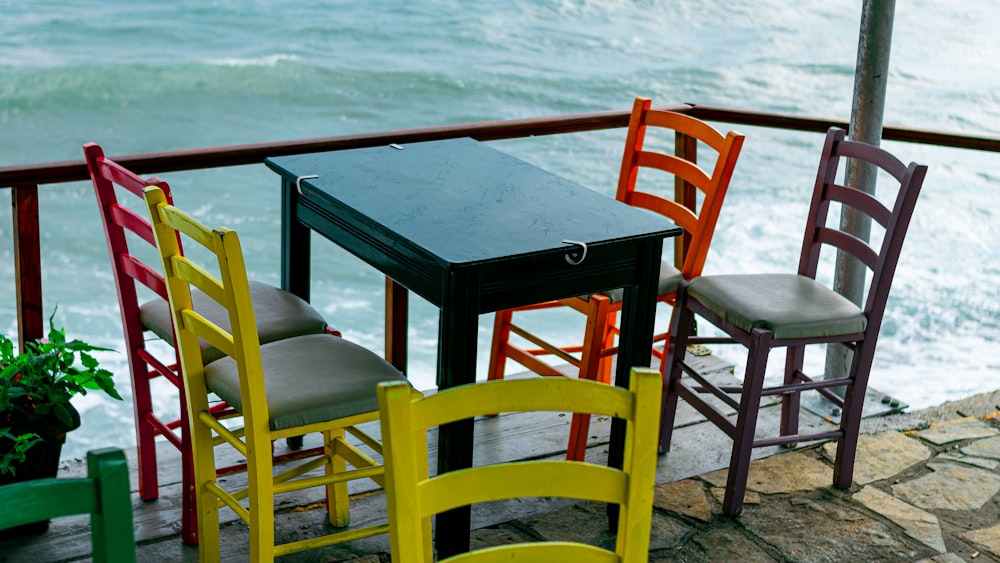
{"type": "Point", "coordinates": [597, 331]}
{"type": "Point", "coordinates": [498, 352]}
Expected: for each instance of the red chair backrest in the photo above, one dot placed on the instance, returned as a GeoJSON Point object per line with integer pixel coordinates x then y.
{"type": "Point", "coordinates": [118, 221]}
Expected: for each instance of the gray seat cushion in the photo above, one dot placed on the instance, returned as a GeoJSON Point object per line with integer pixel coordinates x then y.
{"type": "Point", "coordinates": [670, 278]}
{"type": "Point", "coordinates": [279, 315]}
{"type": "Point", "coordinates": [791, 306]}
{"type": "Point", "coordinates": [312, 378]}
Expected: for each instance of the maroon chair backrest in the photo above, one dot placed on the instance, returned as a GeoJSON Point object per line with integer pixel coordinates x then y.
{"type": "Point", "coordinates": [895, 220]}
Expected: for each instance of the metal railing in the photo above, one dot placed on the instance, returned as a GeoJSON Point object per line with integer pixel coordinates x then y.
{"type": "Point", "coordinates": [25, 180]}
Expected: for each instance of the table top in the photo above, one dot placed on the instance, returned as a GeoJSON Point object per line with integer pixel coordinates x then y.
{"type": "Point", "coordinates": [462, 202]}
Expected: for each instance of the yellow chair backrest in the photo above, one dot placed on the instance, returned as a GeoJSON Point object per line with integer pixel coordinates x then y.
{"type": "Point", "coordinates": [413, 498]}
{"type": "Point", "coordinates": [230, 290]}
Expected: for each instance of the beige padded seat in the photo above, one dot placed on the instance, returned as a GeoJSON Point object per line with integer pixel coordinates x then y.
{"type": "Point", "coordinates": [297, 392]}
{"type": "Point", "coordinates": [789, 305]}
{"type": "Point", "coordinates": [279, 315]}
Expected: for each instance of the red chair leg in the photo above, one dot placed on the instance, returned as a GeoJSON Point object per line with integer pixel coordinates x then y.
{"type": "Point", "coordinates": [145, 433]}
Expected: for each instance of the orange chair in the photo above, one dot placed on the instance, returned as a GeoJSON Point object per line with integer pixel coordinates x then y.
{"type": "Point", "coordinates": [594, 361]}
{"type": "Point", "coordinates": [280, 315]}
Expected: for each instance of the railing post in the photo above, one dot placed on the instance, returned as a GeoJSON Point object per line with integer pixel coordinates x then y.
{"type": "Point", "coordinates": [27, 263]}
{"type": "Point", "coordinates": [870, 84]}
{"type": "Point", "coordinates": [396, 323]}
{"type": "Point", "coordinates": [684, 193]}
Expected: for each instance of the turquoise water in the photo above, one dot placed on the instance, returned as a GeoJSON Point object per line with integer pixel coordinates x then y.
{"type": "Point", "coordinates": [144, 76]}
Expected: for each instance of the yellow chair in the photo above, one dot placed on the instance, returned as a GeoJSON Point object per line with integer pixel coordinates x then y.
{"type": "Point", "coordinates": [291, 387]}
{"type": "Point", "coordinates": [684, 175]}
{"type": "Point", "coordinates": [414, 497]}
{"type": "Point", "coordinates": [279, 314]}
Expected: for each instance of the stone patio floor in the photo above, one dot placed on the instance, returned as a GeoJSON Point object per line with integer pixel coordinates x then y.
{"type": "Point", "coordinates": [925, 489]}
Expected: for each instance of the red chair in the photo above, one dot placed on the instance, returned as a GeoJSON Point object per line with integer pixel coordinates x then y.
{"type": "Point", "coordinates": [601, 310]}
{"type": "Point", "coordinates": [792, 311]}
{"type": "Point", "coordinates": [280, 315]}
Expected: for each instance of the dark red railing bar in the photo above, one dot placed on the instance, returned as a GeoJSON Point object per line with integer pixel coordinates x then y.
{"type": "Point", "coordinates": [685, 193]}
{"type": "Point", "coordinates": [237, 155]}
{"type": "Point", "coordinates": [820, 125]}
{"type": "Point", "coordinates": [23, 180]}
{"type": "Point", "coordinates": [27, 263]}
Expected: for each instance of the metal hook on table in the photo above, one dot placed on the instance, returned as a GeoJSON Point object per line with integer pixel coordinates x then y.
{"type": "Point", "coordinates": [298, 181]}
{"type": "Point", "coordinates": [577, 255]}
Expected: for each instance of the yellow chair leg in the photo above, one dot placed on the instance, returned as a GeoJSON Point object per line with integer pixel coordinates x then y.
{"type": "Point", "coordinates": [261, 485]}
{"type": "Point", "coordinates": [337, 500]}
{"type": "Point", "coordinates": [206, 503]}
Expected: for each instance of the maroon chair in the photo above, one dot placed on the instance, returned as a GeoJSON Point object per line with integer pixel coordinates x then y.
{"type": "Point", "coordinates": [766, 311]}
{"type": "Point", "coordinates": [280, 315]}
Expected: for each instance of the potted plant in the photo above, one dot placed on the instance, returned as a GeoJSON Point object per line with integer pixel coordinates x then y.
{"type": "Point", "coordinates": [35, 410]}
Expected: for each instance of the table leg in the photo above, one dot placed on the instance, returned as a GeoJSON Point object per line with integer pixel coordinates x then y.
{"type": "Point", "coordinates": [635, 344]}
{"type": "Point", "coordinates": [459, 330]}
{"type": "Point", "coordinates": [295, 244]}
{"type": "Point", "coordinates": [295, 251]}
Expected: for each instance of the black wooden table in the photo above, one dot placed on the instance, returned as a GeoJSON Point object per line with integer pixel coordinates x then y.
{"type": "Point", "coordinates": [472, 230]}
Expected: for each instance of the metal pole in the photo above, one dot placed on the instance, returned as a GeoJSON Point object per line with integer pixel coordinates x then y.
{"type": "Point", "coordinates": [870, 78]}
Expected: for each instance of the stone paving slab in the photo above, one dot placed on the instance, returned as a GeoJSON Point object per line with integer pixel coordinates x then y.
{"type": "Point", "coordinates": [882, 455]}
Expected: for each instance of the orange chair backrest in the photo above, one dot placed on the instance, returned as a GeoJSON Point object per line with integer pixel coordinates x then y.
{"type": "Point", "coordinates": [699, 226]}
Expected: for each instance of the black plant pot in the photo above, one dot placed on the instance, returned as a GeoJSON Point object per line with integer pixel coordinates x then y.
{"type": "Point", "coordinates": [41, 460]}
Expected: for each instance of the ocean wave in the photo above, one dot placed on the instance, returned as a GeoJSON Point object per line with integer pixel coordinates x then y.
{"type": "Point", "coordinates": [266, 60]}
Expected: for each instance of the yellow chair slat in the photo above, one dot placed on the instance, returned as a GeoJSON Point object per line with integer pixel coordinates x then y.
{"type": "Point", "coordinates": [559, 479]}
{"type": "Point", "coordinates": [532, 395]}
{"type": "Point", "coordinates": [538, 553]}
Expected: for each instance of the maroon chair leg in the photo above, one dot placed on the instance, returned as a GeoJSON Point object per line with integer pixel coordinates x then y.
{"type": "Point", "coordinates": [680, 326]}
{"type": "Point", "coordinates": [746, 422]}
{"type": "Point", "coordinates": [850, 421]}
{"type": "Point", "coordinates": [790, 404]}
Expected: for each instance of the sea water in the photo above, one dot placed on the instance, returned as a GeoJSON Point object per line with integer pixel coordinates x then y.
{"type": "Point", "coordinates": [142, 76]}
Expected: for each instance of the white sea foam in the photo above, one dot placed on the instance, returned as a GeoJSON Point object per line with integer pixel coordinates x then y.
{"type": "Point", "coordinates": [266, 60]}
